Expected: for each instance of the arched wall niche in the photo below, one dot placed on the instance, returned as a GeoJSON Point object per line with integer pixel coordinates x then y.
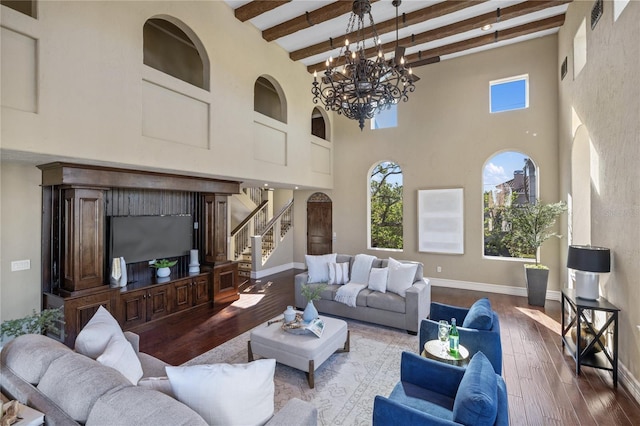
{"type": "Point", "coordinates": [172, 47]}
{"type": "Point", "coordinates": [320, 124]}
{"type": "Point", "coordinates": [580, 220]}
{"type": "Point", "coordinates": [269, 98]}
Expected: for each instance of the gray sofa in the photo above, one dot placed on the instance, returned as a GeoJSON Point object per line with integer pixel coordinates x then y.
{"type": "Point", "coordinates": [71, 389]}
{"type": "Point", "coordinates": [388, 308]}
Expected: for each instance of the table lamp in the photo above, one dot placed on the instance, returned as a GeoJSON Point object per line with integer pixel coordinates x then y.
{"type": "Point", "coordinates": [588, 262]}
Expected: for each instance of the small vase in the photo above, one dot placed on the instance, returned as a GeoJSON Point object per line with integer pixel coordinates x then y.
{"type": "Point", "coordinates": [310, 312]}
{"type": "Point", "coordinates": [123, 270]}
{"type": "Point", "coordinates": [289, 314]}
{"type": "Point", "coordinates": [163, 272]}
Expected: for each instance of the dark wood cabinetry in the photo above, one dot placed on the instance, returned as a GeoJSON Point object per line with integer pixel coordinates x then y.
{"type": "Point", "coordinates": [83, 239]}
{"type": "Point", "coordinates": [147, 304]}
{"type": "Point", "coordinates": [215, 219]}
{"type": "Point", "coordinates": [79, 309]}
{"type": "Point", "coordinates": [225, 283]}
{"type": "Point", "coordinates": [75, 248]}
{"type": "Point", "coordinates": [191, 292]}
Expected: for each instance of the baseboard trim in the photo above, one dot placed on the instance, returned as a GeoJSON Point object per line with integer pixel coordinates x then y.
{"type": "Point", "coordinates": [489, 288]}
{"type": "Point", "coordinates": [270, 271]}
{"type": "Point", "coordinates": [630, 383]}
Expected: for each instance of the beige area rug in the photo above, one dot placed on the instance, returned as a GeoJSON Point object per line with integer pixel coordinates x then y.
{"type": "Point", "coordinates": [346, 384]}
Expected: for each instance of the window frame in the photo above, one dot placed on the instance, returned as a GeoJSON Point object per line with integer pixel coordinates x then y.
{"type": "Point", "coordinates": [368, 218]}
{"type": "Point", "coordinates": [507, 80]}
{"type": "Point", "coordinates": [536, 190]}
{"type": "Point", "coordinates": [392, 108]}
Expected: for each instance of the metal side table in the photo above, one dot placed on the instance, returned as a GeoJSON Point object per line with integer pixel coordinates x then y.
{"type": "Point", "coordinates": [594, 349]}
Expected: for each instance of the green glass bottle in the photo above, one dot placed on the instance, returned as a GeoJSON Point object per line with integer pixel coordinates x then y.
{"type": "Point", "coordinates": [454, 338]}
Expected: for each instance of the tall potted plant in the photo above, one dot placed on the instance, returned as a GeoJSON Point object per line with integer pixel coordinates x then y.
{"type": "Point", "coordinates": [531, 225]}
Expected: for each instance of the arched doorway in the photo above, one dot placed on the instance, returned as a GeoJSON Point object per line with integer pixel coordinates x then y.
{"type": "Point", "coordinates": [319, 224]}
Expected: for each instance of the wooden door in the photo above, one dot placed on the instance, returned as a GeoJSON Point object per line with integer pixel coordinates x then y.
{"type": "Point", "coordinates": [319, 224]}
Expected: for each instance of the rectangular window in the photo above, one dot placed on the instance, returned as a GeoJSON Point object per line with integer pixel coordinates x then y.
{"type": "Point", "coordinates": [386, 118]}
{"type": "Point", "coordinates": [508, 94]}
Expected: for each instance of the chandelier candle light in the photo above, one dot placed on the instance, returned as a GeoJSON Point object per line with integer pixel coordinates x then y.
{"type": "Point", "coordinates": [358, 87]}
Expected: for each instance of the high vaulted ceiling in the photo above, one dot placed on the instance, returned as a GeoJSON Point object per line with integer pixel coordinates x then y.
{"type": "Point", "coordinates": [311, 31]}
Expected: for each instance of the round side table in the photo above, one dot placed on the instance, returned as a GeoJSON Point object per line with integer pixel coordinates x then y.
{"type": "Point", "coordinates": [433, 349]}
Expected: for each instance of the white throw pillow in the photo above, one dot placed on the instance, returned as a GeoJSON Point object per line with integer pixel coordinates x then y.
{"type": "Point", "coordinates": [378, 279]}
{"type": "Point", "coordinates": [121, 356]}
{"type": "Point", "coordinates": [401, 276]}
{"type": "Point", "coordinates": [339, 273]}
{"type": "Point", "coordinates": [226, 394]}
{"type": "Point", "coordinates": [94, 337]}
{"type": "Point", "coordinates": [318, 267]}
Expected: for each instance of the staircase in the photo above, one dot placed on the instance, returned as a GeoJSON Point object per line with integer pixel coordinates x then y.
{"type": "Point", "coordinates": [257, 237]}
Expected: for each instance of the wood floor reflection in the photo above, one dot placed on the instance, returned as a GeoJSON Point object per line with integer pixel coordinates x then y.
{"type": "Point", "coordinates": [541, 382]}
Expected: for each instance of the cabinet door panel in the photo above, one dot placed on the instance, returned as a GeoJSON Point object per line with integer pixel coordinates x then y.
{"type": "Point", "coordinates": [225, 283]}
{"type": "Point", "coordinates": [83, 239]}
{"type": "Point", "coordinates": [158, 303]}
{"type": "Point", "coordinates": [133, 308]}
{"type": "Point", "coordinates": [201, 290]}
{"type": "Point", "coordinates": [182, 295]}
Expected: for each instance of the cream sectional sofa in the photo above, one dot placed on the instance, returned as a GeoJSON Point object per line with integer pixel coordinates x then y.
{"type": "Point", "coordinates": [72, 389]}
{"type": "Point", "coordinates": [388, 308]}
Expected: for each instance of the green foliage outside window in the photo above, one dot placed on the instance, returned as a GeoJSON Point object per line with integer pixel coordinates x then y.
{"type": "Point", "coordinates": [518, 230]}
{"type": "Point", "coordinates": [386, 206]}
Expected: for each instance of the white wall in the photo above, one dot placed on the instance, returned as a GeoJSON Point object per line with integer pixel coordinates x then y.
{"type": "Point", "coordinates": [20, 212]}
{"type": "Point", "coordinates": [74, 88]}
{"type": "Point", "coordinates": [444, 136]}
{"type": "Point", "coordinates": [95, 102]}
{"type": "Point", "coordinates": [603, 102]}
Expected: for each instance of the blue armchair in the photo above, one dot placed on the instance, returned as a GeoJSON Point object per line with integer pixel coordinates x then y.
{"type": "Point", "coordinates": [479, 328]}
{"type": "Point", "coordinates": [434, 393]}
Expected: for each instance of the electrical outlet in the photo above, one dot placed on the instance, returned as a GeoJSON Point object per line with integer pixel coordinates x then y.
{"type": "Point", "coordinates": [439, 269]}
{"type": "Point", "coordinates": [20, 265]}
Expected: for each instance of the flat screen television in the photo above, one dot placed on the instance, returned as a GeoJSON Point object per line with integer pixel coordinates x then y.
{"type": "Point", "coordinates": [143, 238]}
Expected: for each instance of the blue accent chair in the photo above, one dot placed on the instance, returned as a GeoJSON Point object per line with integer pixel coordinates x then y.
{"type": "Point", "coordinates": [479, 328]}
{"type": "Point", "coordinates": [434, 393]}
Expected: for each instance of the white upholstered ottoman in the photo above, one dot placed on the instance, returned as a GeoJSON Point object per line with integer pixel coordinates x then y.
{"type": "Point", "coordinates": [304, 352]}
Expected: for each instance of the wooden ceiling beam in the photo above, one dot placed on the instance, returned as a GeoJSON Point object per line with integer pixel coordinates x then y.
{"type": "Point", "coordinates": [318, 16]}
{"type": "Point", "coordinates": [489, 38]}
{"type": "Point", "coordinates": [418, 16]}
{"type": "Point", "coordinates": [256, 8]}
{"type": "Point", "coordinates": [474, 23]}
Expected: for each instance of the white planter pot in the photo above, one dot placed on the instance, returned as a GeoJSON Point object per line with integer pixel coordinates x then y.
{"type": "Point", "coordinates": [163, 272]}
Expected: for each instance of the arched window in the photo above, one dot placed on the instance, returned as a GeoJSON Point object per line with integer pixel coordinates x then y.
{"type": "Point", "coordinates": [318, 124]}
{"type": "Point", "coordinates": [175, 51]}
{"type": "Point", "coordinates": [508, 178]}
{"type": "Point", "coordinates": [269, 100]}
{"type": "Point", "coordinates": [385, 206]}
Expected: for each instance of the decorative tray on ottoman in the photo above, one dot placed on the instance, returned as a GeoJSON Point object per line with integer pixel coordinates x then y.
{"type": "Point", "coordinates": [298, 326]}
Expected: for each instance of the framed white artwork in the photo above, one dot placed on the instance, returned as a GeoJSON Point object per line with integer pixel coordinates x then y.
{"type": "Point", "coordinates": [441, 221]}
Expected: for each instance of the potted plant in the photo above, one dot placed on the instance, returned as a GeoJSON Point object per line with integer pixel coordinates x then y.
{"type": "Point", "coordinates": [162, 267]}
{"type": "Point", "coordinates": [37, 323]}
{"type": "Point", "coordinates": [311, 293]}
{"type": "Point", "coordinates": [530, 227]}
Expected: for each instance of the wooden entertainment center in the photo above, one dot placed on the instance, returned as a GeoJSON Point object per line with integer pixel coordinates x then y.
{"type": "Point", "coordinates": [77, 203]}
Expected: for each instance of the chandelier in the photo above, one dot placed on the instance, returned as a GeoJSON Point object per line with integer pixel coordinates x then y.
{"type": "Point", "coordinates": [358, 87]}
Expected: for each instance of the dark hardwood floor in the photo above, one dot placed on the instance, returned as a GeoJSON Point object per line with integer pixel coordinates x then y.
{"type": "Point", "coordinates": [541, 382]}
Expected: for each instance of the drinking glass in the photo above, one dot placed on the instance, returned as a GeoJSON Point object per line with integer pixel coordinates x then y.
{"type": "Point", "coordinates": [443, 333]}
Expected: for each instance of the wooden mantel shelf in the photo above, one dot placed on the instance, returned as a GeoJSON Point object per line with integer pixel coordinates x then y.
{"type": "Point", "coordinates": [108, 177]}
